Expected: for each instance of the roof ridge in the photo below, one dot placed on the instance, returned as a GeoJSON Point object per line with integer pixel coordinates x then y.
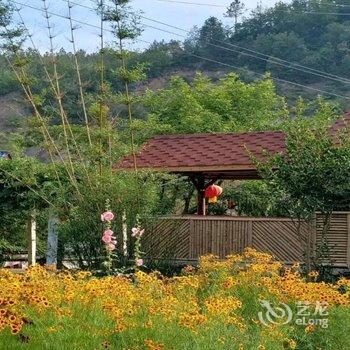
{"type": "Point", "coordinates": [173, 136]}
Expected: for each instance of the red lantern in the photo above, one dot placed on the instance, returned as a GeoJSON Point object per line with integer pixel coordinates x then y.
{"type": "Point", "coordinates": [212, 192]}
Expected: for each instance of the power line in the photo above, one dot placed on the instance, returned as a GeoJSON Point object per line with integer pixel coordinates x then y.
{"type": "Point", "coordinates": [193, 55]}
{"type": "Point", "coordinates": [59, 15]}
{"type": "Point", "coordinates": [288, 64]}
{"type": "Point", "coordinates": [278, 10]}
{"type": "Point", "coordinates": [193, 3]}
{"type": "Point", "coordinates": [261, 74]}
{"type": "Point", "coordinates": [280, 62]}
{"type": "Point", "coordinates": [273, 78]}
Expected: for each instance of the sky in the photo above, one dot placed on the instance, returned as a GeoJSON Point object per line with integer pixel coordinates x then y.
{"type": "Point", "coordinates": [177, 14]}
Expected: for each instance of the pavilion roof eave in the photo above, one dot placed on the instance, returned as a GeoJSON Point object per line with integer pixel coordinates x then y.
{"type": "Point", "coordinates": [226, 172]}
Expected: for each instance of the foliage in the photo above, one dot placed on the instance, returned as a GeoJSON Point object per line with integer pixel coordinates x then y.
{"type": "Point", "coordinates": [79, 175]}
{"type": "Point", "coordinates": [313, 173]}
{"type": "Point", "coordinates": [265, 197]}
{"type": "Point", "coordinates": [254, 198]}
{"type": "Point", "coordinates": [215, 306]}
{"type": "Point", "coordinates": [79, 178]}
{"type": "Point", "coordinates": [27, 186]}
{"type": "Point", "coordinates": [300, 33]}
{"type": "Point", "coordinates": [235, 10]}
{"type": "Point", "coordinates": [81, 228]}
{"type": "Point", "coordinates": [203, 106]}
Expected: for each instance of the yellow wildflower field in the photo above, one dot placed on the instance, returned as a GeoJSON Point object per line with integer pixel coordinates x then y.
{"type": "Point", "coordinates": [247, 301]}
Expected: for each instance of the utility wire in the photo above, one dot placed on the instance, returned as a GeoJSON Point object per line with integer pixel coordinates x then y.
{"type": "Point", "coordinates": [342, 80]}
{"type": "Point", "coordinates": [223, 6]}
{"type": "Point", "coordinates": [291, 65]}
{"type": "Point", "coordinates": [58, 15]}
{"type": "Point", "coordinates": [280, 61]}
{"type": "Point", "coordinates": [193, 55]}
{"type": "Point", "coordinates": [260, 74]}
{"type": "Point", "coordinates": [193, 3]}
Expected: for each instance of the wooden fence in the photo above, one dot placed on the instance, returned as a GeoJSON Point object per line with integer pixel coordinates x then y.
{"type": "Point", "coordinates": [184, 239]}
{"type": "Point", "coordinates": [337, 238]}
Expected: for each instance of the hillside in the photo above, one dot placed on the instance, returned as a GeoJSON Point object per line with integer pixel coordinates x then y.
{"type": "Point", "coordinates": [13, 112]}
{"type": "Point", "coordinates": [304, 46]}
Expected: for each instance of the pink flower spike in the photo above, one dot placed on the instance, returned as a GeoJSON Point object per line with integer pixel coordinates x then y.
{"type": "Point", "coordinates": [135, 231]}
{"type": "Point", "coordinates": [108, 233]}
{"type": "Point", "coordinates": [139, 262]}
{"type": "Point", "coordinates": [107, 216]}
{"type": "Point", "coordinates": [106, 239]}
{"type": "Point", "coordinates": [111, 247]}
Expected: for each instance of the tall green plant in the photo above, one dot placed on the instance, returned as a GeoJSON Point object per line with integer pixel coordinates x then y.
{"type": "Point", "coordinates": [126, 25]}
{"type": "Point", "coordinates": [312, 174]}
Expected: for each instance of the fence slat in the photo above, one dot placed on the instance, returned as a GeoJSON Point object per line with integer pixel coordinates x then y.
{"type": "Point", "coordinates": [348, 252]}
{"type": "Point", "coordinates": [187, 237]}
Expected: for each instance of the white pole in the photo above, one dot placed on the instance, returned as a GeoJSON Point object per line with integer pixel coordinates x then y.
{"type": "Point", "coordinates": [31, 229]}
{"type": "Point", "coordinates": [125, 237]}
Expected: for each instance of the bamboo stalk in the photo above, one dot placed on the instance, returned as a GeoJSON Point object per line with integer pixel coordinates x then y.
{"type": "Point", "coordinates": [57, 85]}
{"type": "Point", "coordinates": [57, 91]}
{"type": "Point", "coordinates": [27, 90]}
{"type": "Point", "coordinates": [28, 186]}
{"type": "Point", "coordinates": [127, 92]}
{"type": "Point", "coordinates": [39, 56]}
{"type": "Point", "coordinates": [102, 82]}
{"type": "Point", "coordinates": [44, 130]}
{"type": "Point", "coordinates": [82, 98]}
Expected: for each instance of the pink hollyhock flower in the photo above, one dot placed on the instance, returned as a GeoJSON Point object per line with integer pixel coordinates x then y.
{"type": "Point", "coordinates": [111, 246]}
{"type": "Point", "coordinates": [139, 262]}
{"type": "Point", "coordinates": [107, 216]}
{"type": "Point", "coordinates": [134, 231]}
{"type": "Point", "coordinates": [108, 233]}
{"type": "Point", "coordinates": [107, 239]}
{"type": "Point", "coordinates": [137, 232]}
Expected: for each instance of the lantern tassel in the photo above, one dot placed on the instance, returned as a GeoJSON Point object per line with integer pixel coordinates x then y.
{"type": "Point", "coordinates": [213, 199]}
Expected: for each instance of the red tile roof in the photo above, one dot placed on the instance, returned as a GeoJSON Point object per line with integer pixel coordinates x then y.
{"type": "Point", "coordinates": [215, 153]}
{"type": "Point", "coordinates": [206, 151]}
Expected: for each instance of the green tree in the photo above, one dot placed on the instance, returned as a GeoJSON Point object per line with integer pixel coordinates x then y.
{"type": "Point", "coordinates": [235, 10]}
{"type": "Point", "coordinates": [312, 175]}
{"type": "Point", "coordinates": [212, 33]}
{"type": "Point", "coordinates": [204, 106]}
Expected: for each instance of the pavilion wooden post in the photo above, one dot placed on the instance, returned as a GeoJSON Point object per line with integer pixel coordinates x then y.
{"type": "Point", "coordinates": [201, 185]}
{"type": "Point", "coordinates": [201, 206]}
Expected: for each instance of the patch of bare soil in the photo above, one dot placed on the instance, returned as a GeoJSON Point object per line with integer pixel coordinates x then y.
{"type": "Point", "coordinates": [13, 111]}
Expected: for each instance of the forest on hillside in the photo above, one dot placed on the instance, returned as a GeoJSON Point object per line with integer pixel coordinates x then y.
{"type": "Point", "coordinates": [304, 45]}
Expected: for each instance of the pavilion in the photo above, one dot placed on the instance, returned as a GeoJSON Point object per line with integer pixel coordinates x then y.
{"type": "Point", "coordinates": [206, 158]}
